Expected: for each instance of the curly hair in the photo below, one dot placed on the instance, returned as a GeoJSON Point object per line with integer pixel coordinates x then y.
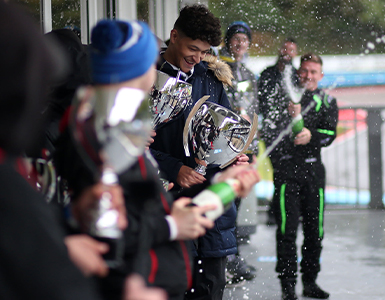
{"type": "Point", "coordinates": [197, 22]}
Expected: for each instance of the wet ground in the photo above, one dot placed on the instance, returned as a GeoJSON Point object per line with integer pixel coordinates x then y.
{"type": "Point", "coordinates": [352, 260]}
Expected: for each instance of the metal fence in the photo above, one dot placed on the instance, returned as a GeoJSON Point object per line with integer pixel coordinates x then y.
{"type": "Point", "coordinates": [354, 161]}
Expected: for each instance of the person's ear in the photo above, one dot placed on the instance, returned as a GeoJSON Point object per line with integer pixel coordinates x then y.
{"type": "Point", "coordinates": [173, 36]}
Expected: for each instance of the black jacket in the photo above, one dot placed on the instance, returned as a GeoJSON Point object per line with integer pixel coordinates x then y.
{"type": "Point", "coordinates": [321, 120]}
{"type": "Point", "coordinates": [34, 262]}
{"type": "Point", "coordinates": [148, 249]}
{"type": "Point", "coordinates": [273, 98]}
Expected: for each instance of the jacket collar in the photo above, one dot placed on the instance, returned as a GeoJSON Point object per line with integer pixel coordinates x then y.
{"type": "Point", "coordinates": [166, 67]}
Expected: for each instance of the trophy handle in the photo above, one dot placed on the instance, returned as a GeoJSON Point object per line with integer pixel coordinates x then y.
{"type": "Point", "coordinates": [201, 169]}
{"type": "Point", "coordinates": [253, 130]}
{"type": "Point", "coordinates": [197, 105]}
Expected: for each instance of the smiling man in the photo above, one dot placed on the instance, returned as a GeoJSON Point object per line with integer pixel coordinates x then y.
{"type": "Point", "coordinates": [194, 32]}
{"type": "Point", "coordinates": [299, 180]}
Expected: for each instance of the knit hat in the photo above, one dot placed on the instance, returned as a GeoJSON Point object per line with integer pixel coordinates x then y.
{"type": "Point", "coordinates": [121, 51]}
{"type": "Point", "coordinates": [237, 27]}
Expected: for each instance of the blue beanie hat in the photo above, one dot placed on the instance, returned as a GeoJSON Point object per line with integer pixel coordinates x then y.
{"type": "Point", "coordinates": [237, 27]}
{"type": "Point", "coordinates": [121, 51]}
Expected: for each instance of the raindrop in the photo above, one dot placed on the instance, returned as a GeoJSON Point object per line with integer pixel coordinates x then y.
{"type": "Point", "coordinates": [370, 45]}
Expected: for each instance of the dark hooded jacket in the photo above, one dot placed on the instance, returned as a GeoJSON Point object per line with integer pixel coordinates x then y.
{"type": "Point", "coordinates": [34, 262]}
{"type": "Point", "coordinates": [148, 249]}
{"type": "Point", "coordinates": [271, 91]}
{"type": "Point", "coordinates": [62, 93]}
{"type": "Point", "coordinates": [169, 153]}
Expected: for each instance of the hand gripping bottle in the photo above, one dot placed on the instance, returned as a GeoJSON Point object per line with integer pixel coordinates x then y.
{"type": "Point", "coordinates": [221, 194]}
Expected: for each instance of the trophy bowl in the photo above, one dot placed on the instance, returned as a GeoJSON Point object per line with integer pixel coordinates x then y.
{"type": "Point", "coordinates": [169, 97]}
{"type": "Point", "coordinates": [110, 127]}
{"type": "Point", "coordinates": [215, 135]}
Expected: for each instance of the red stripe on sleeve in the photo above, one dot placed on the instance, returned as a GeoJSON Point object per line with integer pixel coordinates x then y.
{"type": "Point", "coordinates": [154, 266]}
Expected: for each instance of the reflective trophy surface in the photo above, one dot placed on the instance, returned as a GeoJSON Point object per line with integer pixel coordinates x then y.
{"type": "Point", "coordinates": [109, 128]}
{"type": "Point", "coordinates": [169, 97]}
{"type": "Point", "coordinates": [215, 135]}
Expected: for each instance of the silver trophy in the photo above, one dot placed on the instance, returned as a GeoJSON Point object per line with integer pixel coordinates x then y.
{"type": "Point", "coordinates": [216, 135]}
{"type": "Point", "coordinates": [110, 129]}
{"type": "Point", "coordinates": [169, 97]}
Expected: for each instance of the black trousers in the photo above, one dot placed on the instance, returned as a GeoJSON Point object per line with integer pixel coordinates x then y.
{"type": "Point", "coordinates": [208, 279]}
{"type": "Point", "coordinates": [299, 194]}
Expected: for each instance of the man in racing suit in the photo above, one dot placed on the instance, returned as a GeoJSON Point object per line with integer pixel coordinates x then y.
{"type": "Point", "coordinates": [299, 178]}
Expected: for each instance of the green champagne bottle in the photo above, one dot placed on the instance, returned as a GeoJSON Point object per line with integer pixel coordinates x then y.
{"type": "Point", "coordinates": [297, 125]}
{"type": "Point", "coordinates": [221, 194]}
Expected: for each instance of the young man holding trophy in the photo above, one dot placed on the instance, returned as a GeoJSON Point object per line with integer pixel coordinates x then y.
{"type": "Point", "coordinates": [194, 32]}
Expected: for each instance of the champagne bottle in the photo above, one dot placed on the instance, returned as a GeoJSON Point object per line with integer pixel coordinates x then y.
{"type": "Point", "coordinates": [297, 125]}
{"type": "Point", "coordinates": [221, 194]}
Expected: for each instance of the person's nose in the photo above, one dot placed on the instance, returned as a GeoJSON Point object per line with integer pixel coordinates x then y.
{"type": "Point", "coordinates": [199, 57]}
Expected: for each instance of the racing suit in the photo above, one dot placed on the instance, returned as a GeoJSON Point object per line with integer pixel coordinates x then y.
{"type": "Point", "coordinates": [299, 179]}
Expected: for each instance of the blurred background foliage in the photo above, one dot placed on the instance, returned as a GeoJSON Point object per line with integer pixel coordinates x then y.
{"type": "Point", "coordinates": [324, 26]}
{"type": "Point", "coordinates": [65, 13]}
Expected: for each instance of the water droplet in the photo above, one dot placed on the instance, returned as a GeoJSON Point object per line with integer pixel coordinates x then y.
{"type": "Point", "coordinates": [370, 45]}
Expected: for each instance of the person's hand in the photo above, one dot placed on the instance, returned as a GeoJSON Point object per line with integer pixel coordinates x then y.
{"type": "Point", "coordinates": [294, 109]}
{"type": "Point", "coordinates": [150, 139]}
{"type": "Point", "coordinates": [187, 177]}
{"type": "Point", "coordinates": [89, 198]}
{"type": "Point", "coordinates": [248, 176]}
{"type": "Point", "coordinates": [189, 219]}
{"type": "Point", "coordinates": [246, 117]}
{"type": "Point", "coordinates": [86, 253]}
{"type": "Point", "coordinates": [135, 289]}
{"type": "Point", "coordinates": [242, 159]}
{"type": "Point", "coordinates": [303, 137]}
{"type": "Point", "coordinates": [170, 186]}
